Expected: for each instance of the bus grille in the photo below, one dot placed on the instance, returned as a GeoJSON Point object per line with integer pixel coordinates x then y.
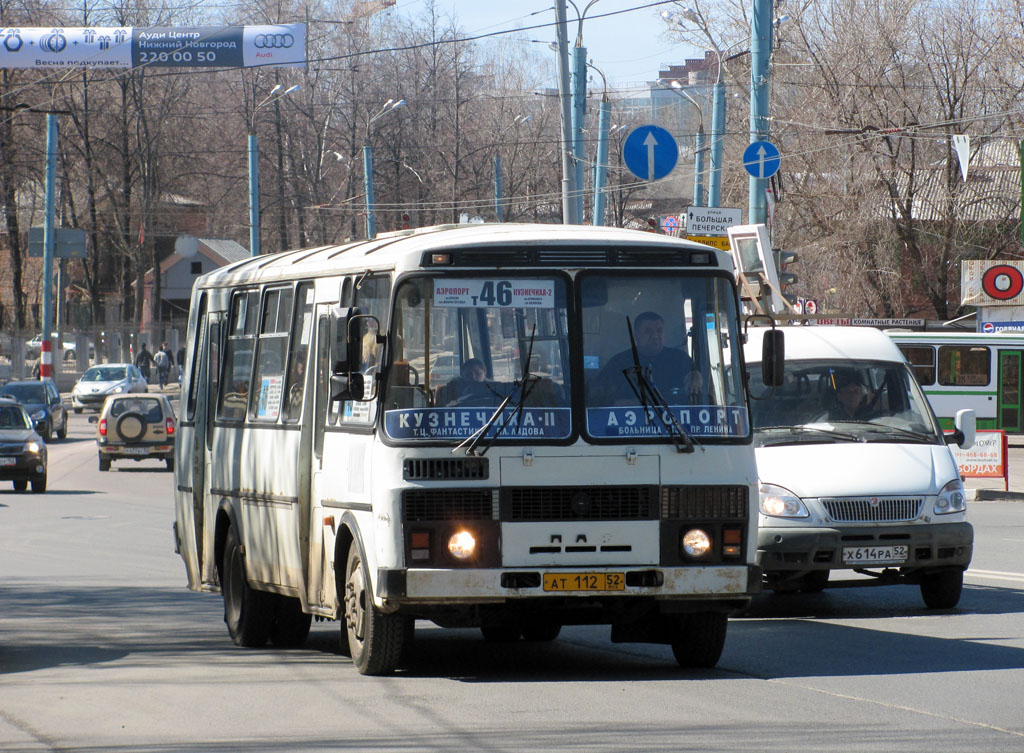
{"type": "Point", "coordinates": [873, 510]}
{"type": "Point", "coordinates": [445, 469]}
{"type": "Point", "coordinates": [420, 505]}
{"type": "Point", "coordinates": [704, 502]}
{"type": "Point", "coordinates": [529, 503]}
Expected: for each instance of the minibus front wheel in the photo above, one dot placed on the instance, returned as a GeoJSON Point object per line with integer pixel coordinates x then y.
{"type": "Point", "coordinates": [375, 639]}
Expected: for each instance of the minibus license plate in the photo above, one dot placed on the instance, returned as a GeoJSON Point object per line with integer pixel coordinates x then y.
{"type": "Point", "coordinates": [853, 555]}
{"type": "Point", "coordinates": [584, 582]}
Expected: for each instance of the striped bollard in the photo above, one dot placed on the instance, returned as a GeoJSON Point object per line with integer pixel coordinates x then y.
{"type": "Point", "coordinates": [46, 359]}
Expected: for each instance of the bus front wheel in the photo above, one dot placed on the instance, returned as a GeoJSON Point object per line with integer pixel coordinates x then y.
{"type": "Point", "coordinates": [374, 638]}
{"type": "Point", "coordinates": [248, 613]}
{"type": "Point", "coordinates": [700, 639]}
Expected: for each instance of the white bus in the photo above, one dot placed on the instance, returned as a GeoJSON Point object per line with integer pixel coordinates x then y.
{"type": "Point", "coordinates": [474, 426]}
{"type": "Point", "coordinates": [977, 370]}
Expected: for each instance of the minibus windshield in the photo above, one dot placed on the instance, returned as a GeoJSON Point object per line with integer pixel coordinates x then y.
{"type": "Point", "coordinates": [462, 346]}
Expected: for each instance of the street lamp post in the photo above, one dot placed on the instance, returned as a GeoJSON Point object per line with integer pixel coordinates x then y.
{"type": "Point", "coordinates": [254, 175]}
{"type": "Point", "coordinates": [698, 145]}
{"type": "Point", "coordinates": [718, 101]}
{"type": "Point", "coordinates": [371, 215]}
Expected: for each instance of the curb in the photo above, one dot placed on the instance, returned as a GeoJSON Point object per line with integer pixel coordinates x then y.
{"type": "Point", "coordinates": [993, 495]}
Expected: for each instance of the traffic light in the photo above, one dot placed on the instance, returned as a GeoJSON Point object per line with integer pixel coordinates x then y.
{"type": "Point", "coordinates": [782, 260]}
{"type": "Point", "coordinates": [405, 220]}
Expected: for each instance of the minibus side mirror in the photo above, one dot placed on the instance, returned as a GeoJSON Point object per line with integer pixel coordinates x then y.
{"type": "Point", "coordinates": [344, 349]}
{"type": "Point", "coordinates": [773, 357]}
{"type": "Point", "coordinates": [347, 386]}
{"type": "Point", "coordinates": [966, 423]}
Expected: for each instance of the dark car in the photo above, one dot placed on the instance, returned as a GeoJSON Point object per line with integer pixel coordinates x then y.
{"type": "Point", "coordinates": [43, 404]}
{"type": "Point", "coordinates": [22, 450]}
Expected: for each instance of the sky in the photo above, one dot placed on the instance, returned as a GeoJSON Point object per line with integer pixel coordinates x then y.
{"type": "Point", "coordinates": [628, 47]}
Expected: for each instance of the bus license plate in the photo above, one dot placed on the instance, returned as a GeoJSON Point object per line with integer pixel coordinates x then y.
{"type": "Point", "coordinates": [584, 582]}
{"type": "Point", "coordinates": [853, 555]}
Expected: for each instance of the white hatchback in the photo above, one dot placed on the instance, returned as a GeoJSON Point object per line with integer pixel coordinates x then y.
{"type": "Point", "coordinates": [99, 382]}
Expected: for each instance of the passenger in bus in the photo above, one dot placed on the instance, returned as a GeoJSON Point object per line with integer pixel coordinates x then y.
{"type": "Point", "coordinates": [297, 382]}
{"type": "Point", "coordinates": [670, 370]}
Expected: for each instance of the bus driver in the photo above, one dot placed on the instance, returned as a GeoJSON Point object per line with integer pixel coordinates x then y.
{"type": "Point", "coordinates": [670, 370]}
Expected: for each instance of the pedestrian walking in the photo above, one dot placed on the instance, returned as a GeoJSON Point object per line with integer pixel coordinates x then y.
{"type": "Point", "coordinates": [164, 361]}
{"type": "Point", "coordinates": [143, 361]}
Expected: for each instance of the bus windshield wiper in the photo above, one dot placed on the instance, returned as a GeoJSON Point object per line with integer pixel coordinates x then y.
{"type": "Point", "coordinates": [525, 385]}
{"type": "Point", "coordinates": [647, 393]}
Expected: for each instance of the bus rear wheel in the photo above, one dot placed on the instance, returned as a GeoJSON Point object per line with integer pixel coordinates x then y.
{"type": "Point", "coordinates": [700, 639]}
{"type": "Point", "coordinates": [374, 639]}
{"type": "Point", "coordinates": [248, 613]}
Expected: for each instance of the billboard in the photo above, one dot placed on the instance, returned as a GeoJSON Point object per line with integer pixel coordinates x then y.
{"type": "Point", "coordinates": [985, 282]}
{"type": "Point", "coordinates": [160, 47]}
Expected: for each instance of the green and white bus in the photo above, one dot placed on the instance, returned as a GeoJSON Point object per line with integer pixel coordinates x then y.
{"type": "Point", "coordinates": [981, 371]}
{"type": "Point", "coordinates": [411, 428]}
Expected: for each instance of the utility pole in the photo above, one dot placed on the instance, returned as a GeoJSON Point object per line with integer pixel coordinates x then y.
{"type": "Point", "coordinates": [568, 174]}
{"type": "Point", "coordinates": [760, 54]}
{"type": "Point", "coordinates": [579, 110]}
{"type": "Point", "coordinates": [601, 165]}
{"type": "Point", "coordinates": [49, 244]}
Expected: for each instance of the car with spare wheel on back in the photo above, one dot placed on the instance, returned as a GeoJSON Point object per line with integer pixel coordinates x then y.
{"type": "Point", "coordinates": [135, 427]}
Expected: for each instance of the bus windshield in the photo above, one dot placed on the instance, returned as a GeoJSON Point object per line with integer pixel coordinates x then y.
{"type": "Point", "coordinates": [462, 347]}
{"type": "Point", "coordinates": [661, 356]}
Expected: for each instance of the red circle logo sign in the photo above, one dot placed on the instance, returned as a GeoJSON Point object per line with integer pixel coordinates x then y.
{"type": "Point", "coordinates": [1002, 282]}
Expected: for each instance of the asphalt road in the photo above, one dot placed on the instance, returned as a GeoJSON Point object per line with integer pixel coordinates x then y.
{"type": "Point", "coordinates": [102, 648]}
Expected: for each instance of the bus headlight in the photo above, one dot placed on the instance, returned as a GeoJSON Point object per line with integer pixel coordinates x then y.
{"type": "Point", "coordinates": [696, 543]}
{"type": "Point", "coordinates": [780, 502]}
{"type": "Point", "coordinates": [951, 498]}
{"type": "Point", "coordinates": [462, 545]}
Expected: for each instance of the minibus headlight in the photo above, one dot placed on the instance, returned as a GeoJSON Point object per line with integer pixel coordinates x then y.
{"type": "Point", "coordinates": [951, 498]}
{"type": "Point", "coordinates": [696, 543]}
{"type": "Point", "coordinates": [462, 545]}
{"type": "Point", "coordinates": [780, 502]}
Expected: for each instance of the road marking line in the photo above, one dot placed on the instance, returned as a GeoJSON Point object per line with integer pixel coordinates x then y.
{"type": "Point", "coordinates": [996, 575]}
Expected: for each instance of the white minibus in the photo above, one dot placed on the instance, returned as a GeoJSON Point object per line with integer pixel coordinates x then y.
{"type": "Point", "coordinates": [509, 427]}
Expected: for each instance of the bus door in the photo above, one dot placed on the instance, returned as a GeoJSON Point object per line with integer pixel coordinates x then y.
{"type": "Point", "coordinates": [312, 452]}
{"type": "Point", "coordinates": [1009, 391]}
{"type": "Point", "coordinates": [206, 374]}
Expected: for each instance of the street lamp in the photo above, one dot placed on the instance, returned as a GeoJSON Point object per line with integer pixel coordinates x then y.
{"type": "Point", "coordinates": [499, 200]}
{"type": "Point", "coordinates": [254, 175]}
{"type": "Point", "coordinates": [371, 217]}
{"type": "Point", "coordinates": [698, 146]}
{"type": "Point", "coordinates": [717, 96]}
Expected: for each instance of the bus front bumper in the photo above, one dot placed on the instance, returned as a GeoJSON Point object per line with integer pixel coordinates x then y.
{"type": "Point", "coordinates": [477, 586]}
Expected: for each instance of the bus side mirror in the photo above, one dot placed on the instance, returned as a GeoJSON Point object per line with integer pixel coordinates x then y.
{"type": "Point", "coordinates": [348, 386]}
{"type": "Point", "coordinates": [966, 424]}
{"type": "Point", "coordinates": [344, 349]}
{"type": "Point", "coordinates": [773, 357]}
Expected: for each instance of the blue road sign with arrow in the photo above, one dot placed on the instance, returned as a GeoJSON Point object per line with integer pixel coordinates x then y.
{"type": "Point", "coordinates": [762, 159]}
{"type": "Point", "coordinates": [650, 152]}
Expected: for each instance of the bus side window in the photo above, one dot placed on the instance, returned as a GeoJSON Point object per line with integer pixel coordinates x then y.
{"type": "Point", "coordinates": [964, 365]}
{"type": "Point", "coordinates": [922, 362]}
{"type": "Point", "coordinates": [271, 347]}
{"type": "Point", "coordinates": [233, 397]}
{"type": "Point", "coordinates": [302, 329]}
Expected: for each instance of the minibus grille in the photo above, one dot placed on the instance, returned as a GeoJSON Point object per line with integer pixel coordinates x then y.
{"type": "Point", "coordinates": [704, 502]}
{"type": "Point", "coordinates": [532, 503]}
{"type": "Point", "coordinates": [873, 509]}
{"type": "Point", "coordinates": [420, 505]}
{"type": "Point", "coordinates": [445, 469]}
